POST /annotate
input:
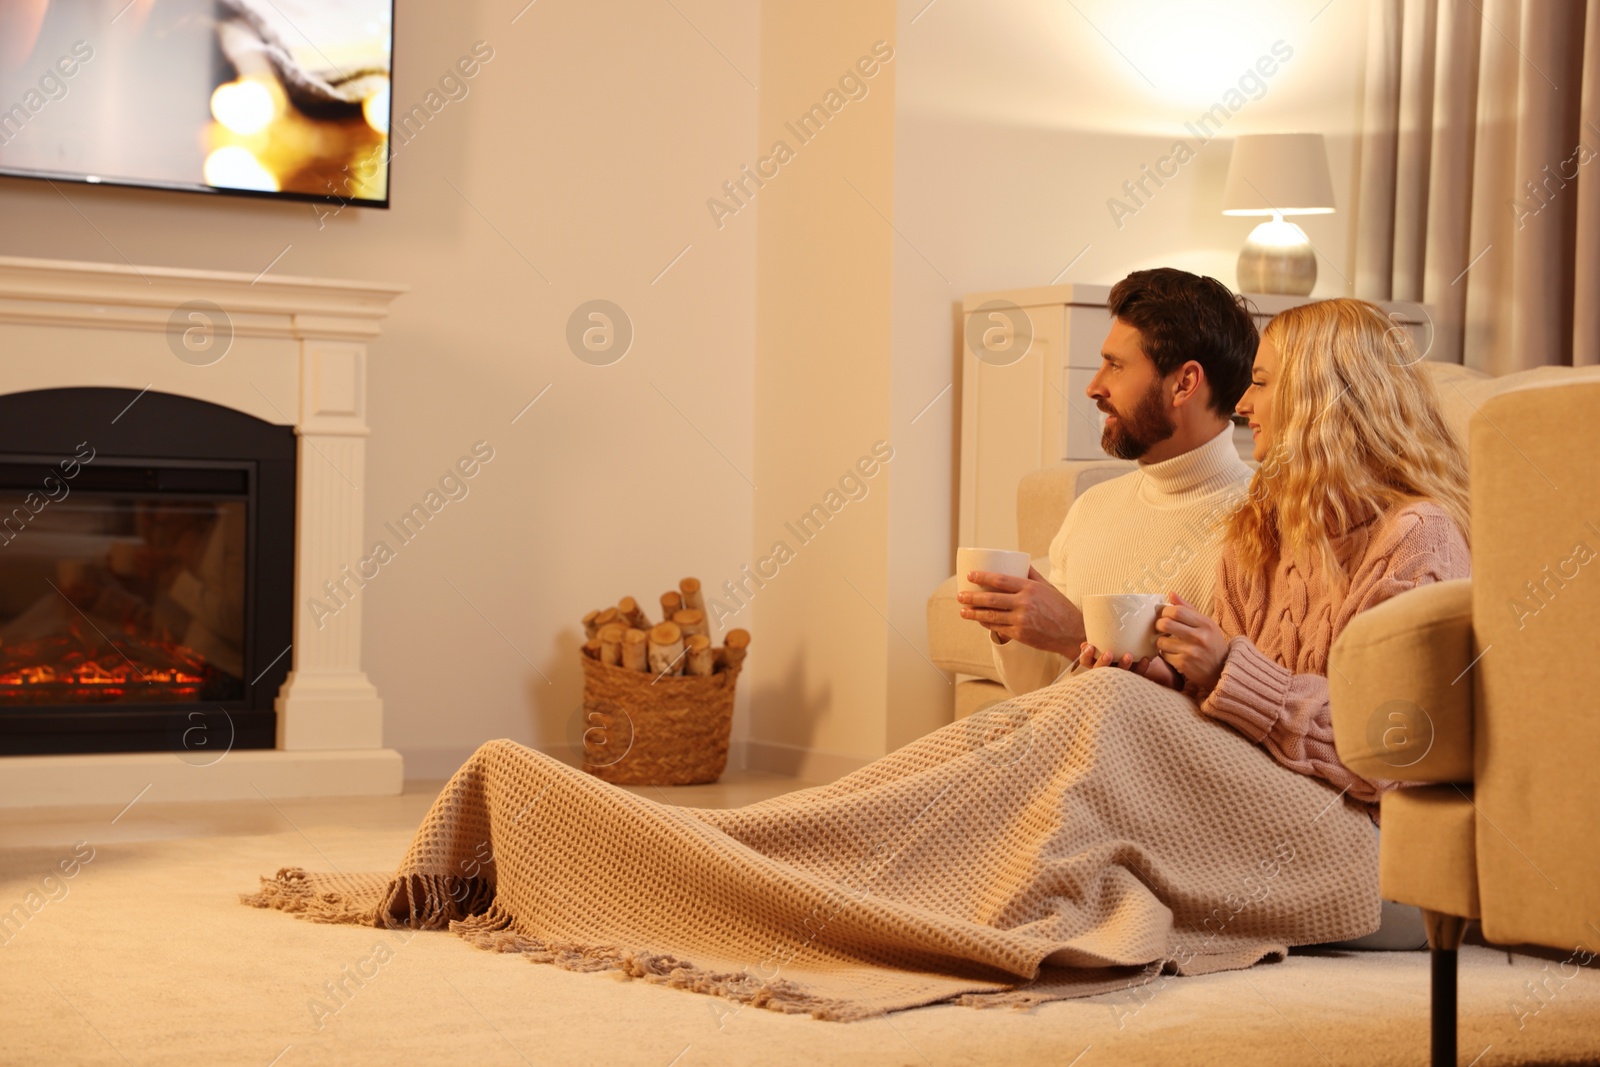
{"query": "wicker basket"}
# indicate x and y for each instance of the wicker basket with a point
(644, 729)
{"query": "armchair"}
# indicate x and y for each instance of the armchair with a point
(1487, 691)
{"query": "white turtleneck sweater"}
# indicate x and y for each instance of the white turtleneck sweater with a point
(1153, 530)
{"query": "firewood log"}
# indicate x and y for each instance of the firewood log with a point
(634, 644)
(589, 628)
(699, 655)
(671, 601)
(591, 648)
(606, 617)
(735, 646)
(690, 587)
(666, 649)
(691, 622)
(628, 611)
(611, 643)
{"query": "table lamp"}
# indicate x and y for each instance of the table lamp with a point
(1278, 174)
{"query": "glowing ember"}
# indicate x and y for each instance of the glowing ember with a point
(67, 669)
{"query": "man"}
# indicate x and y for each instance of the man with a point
(1175, 362)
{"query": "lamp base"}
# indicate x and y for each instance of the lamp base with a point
(1277, 258)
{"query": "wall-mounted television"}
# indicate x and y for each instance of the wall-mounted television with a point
(275, 98)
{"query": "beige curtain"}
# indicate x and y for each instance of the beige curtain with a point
(1480, 176)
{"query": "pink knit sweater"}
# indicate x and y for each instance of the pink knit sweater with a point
(1281, 624)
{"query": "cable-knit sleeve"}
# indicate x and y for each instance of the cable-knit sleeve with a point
(1288, 712)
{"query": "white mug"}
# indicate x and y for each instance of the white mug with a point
(1123, 624)
(997, 560)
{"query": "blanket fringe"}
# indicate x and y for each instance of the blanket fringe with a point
(774, 994)
(490, 932)
(290, 891)
(414, 901)
(466, 907)
(1015, 999)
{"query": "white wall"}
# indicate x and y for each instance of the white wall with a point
(1016, 121)
(823, 389)
(590, 142)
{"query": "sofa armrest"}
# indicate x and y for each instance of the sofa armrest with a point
(1401, 707)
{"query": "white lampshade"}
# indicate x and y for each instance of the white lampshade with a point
(1282, 173)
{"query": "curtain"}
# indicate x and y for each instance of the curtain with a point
(1479, 182)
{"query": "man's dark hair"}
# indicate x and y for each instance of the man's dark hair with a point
(1182, 316)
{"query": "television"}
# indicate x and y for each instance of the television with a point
(268, 98)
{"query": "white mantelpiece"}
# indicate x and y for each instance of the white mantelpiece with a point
(297, 358)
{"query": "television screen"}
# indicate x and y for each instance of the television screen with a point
(282, 98)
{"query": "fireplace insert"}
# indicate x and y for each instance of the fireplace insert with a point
(146, 573)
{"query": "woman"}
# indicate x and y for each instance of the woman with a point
(1375, 505)
(1089, 837)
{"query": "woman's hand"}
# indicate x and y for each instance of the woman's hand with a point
(1089, 656)
(1191, 642)
(1151, 667)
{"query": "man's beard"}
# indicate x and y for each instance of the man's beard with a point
(1137, 432)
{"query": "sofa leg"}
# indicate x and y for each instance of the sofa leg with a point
(1444, 938)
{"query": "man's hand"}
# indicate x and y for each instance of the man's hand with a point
(1191, 642)
(1030, 610)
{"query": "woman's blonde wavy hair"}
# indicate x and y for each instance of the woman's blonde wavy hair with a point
(1357, 431)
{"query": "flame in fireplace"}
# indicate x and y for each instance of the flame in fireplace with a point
(67, 669)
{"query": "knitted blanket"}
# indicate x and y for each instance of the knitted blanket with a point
(1087, 837)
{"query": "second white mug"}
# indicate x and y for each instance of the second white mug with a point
(1123, 624)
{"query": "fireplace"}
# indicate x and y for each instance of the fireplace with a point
(146, 559)
(214, 428)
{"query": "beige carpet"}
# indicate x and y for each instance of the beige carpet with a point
(145, 956)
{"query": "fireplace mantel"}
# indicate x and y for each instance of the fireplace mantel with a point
(293, 351)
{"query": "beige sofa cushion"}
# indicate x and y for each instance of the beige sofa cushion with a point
(1457, 406)
(1429, 854)
(1463, 392)
(1045, 495)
